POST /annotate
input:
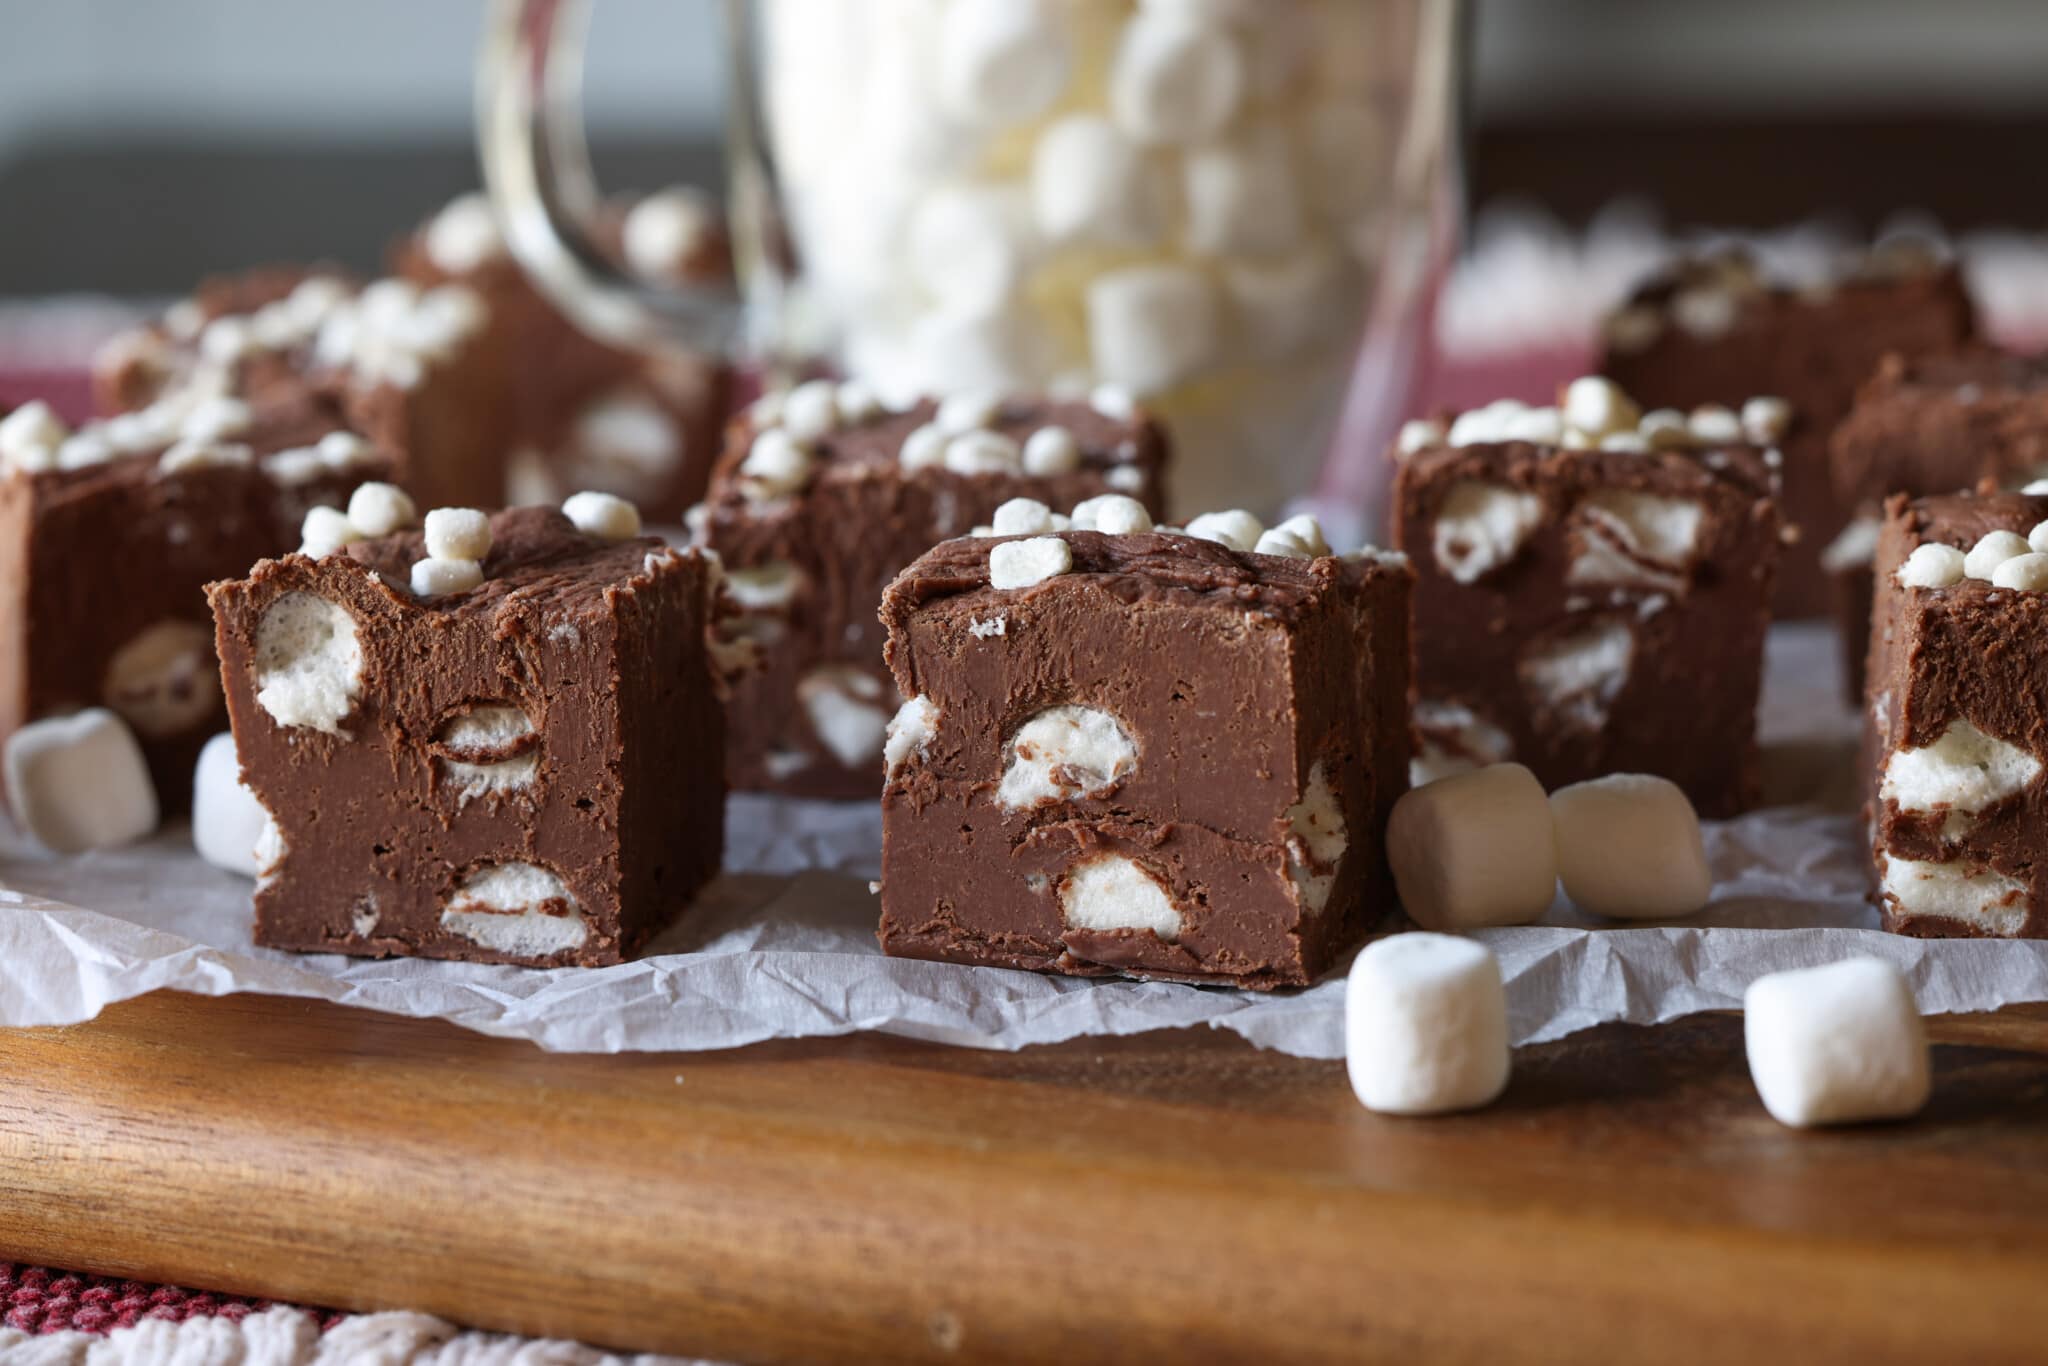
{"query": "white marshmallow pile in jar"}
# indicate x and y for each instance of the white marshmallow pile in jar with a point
(1180, 198)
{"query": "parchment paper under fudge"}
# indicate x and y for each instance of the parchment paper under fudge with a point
(1593, 588)
(1143, 753)
(643, 425)
(497, 740)
(1957, 719)
(109, 535)
(415, 371)
(1714, 330)
(823, 496)
(1925, 425)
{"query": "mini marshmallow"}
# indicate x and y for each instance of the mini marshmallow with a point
(1932, 566)
(1152, 326)
(1020, 564)
(82, 449)
(858, 401)
(1538, 426)
(1765, 420)
(30, 436)
(1598, 407)
(458, 534)
(1021, 517)
(1113, 401)
(776, 465)
(923, 448)
(1711, 423)
(1419, 434)
(2038, 537)
(1002, 61)
(2035, 488)
(968, 412)
(436, 577)
(968, 246)
(983, 452)
(1112, 514)
(1051, 450)
(2027, 573)
(203, 455)
(1993, 550)
(1239, 196)
(1838, 1044)
(811, 410)
(603, 515)
(1665, 428)
(1474, 849)
(1628, 443)
(1089, 183)
(464, 235)
(665, 232)
(1426, 1025)
(1174, 80)
(227, 820)
(1629, 848)
(79, 782)
(1279, 542)
(1236, 528)
(325, 531)
(380, 509)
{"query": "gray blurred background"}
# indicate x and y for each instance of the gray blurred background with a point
(144, 142)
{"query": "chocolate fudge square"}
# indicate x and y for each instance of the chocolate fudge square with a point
(415, 371)
(1956, 716)
(822, 498)
(1716, 331)
(110, 534)
(1592, 601)
(586, 414)
(525, 771)
(1925, 425)
(1173, 759)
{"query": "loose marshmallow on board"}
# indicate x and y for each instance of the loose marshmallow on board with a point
(1426, 1025)
(1474, 849)
(79, 782)
(1837, 1044)
(1629, 848)
(227, 820)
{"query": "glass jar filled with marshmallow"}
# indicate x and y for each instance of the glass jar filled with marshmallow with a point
(1232, 210)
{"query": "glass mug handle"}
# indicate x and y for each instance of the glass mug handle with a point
(536, 164)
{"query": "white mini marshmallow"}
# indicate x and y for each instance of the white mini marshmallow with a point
(983, 453)
(1838, 1044)
(1285, 543)
(1174, 80)
(2035, 488)
(1991, 551)
(971, 411)
(2027, 573)
(1091, 184)
(436, 577)
(1239, 196)
(1766, 420)
(164, 680)
(1629, 848)
(603, 515)
(325, 531)
(1111, 892)
(79, 782)
(458, 534)
(1114, 401)
(1474, 849)
(1305, 528)
(1665, 428)
(1002, 62)
(909, 734)
(1152, 326)
(775, 466)
(1711, 423)
(844, 706)
(1426, 1025)
(1051, 450)
(665, 232)
(1598, 407)
(30, 437)
(188, 455)
(1962, 772)
(1482, 526)
(1419, 434)
(1063, 753)
(1022, 517)
(1236, 528)
(380, 509)
(1932, 566)
(923, 448)
(1020, 564)
(227, 820)
(811, 410)
(464, 235)
(1112, 514)
(858, 402)
(969, 245)
(1538, 426)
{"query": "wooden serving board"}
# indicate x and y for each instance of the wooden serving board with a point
(1174, 1197)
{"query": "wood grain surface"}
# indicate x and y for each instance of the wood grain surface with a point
(1174, 1197)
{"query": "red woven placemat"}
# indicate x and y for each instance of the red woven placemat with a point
(41, 1299)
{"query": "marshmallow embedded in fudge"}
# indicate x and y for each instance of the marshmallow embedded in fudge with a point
(79, 782)
(1474, 849)
(228, 823)
(1838, 1044)
(1425, 1025)
(1629, 848)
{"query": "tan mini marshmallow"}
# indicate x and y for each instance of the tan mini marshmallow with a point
(1629, 848)
(1474, 849)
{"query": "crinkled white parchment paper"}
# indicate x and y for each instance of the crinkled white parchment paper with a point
(783, 945)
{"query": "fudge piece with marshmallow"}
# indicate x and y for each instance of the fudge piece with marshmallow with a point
(1145, 753)
(415, 371)
(1577, 570)
(1925, 425)
(496, 739)
(109, 535)
(1716, 331)
(823, 496)
(1956, 722)
(586, 414)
